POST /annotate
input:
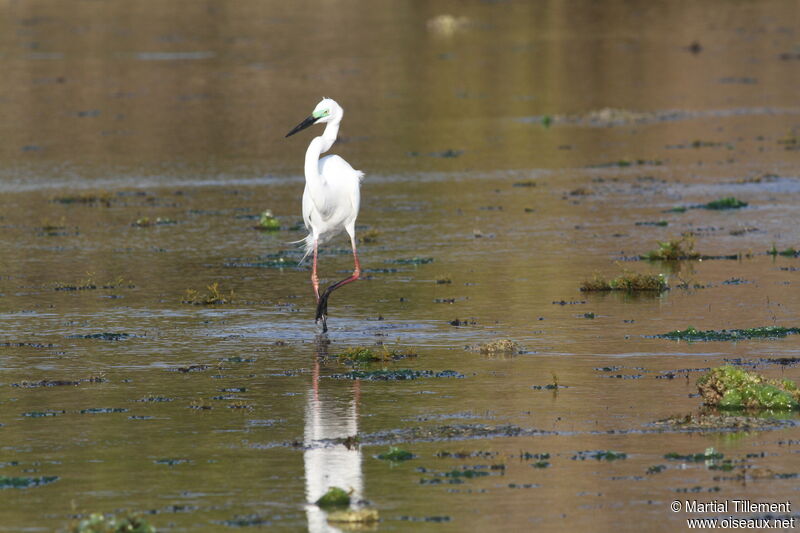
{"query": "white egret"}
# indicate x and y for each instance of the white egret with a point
(331, 198)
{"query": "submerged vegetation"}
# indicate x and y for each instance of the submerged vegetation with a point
(7, 482)
(764, 332)
(728, 387)
(99, 523)
(360, 354)
(86, 198)
(368, 236)
(788, 252)
(628, 281)
(212, 297)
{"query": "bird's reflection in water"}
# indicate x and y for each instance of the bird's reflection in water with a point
(331, 413)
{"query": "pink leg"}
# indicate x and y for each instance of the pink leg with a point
(314, 278)
(322, 303)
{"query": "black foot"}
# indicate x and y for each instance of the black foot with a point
(322, 311)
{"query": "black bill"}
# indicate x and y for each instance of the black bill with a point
(303, 125)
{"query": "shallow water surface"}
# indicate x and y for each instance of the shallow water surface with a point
(512, 151)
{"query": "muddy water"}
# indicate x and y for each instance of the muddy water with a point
(208, 418)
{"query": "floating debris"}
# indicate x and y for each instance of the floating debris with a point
(728, 387)
(726, 422)
(709, 455)
(764, 332)
(397, 375)
(43, 414)
(497, 347)
(674, 250)
(46, 383)
(354, 516)
(146, 222)
(212, 297)
(368, 236)
(411, 261)
(599, 455)
(102, 336)
(653, 223)
(628, 163)
(629, 282)
(335, 497)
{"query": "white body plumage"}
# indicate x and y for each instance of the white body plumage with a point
(331, 198)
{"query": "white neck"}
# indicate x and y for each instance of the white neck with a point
(319, 145)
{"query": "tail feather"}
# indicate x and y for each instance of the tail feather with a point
(308, 246)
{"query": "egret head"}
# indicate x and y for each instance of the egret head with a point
(327, 110)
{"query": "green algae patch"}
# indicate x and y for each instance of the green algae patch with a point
(411, 261)
(335, 497)
(268, 222)
(99, 523)
(599, 455)
(788, 252)
(705, 422)
(628, 282)
(7, 482)
(674, 250)
(710, 454)
(764, 332)
(396, 455)
(361, 355)
(725, 203)
(728, 387)
(358, 354)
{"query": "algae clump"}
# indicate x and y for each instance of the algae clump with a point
(764, 332)
(629, 282)
(725, 203)
(268, 222)
(335, 497)
(396, 455)
(728, 387)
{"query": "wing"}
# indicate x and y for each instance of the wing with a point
(343, 187)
